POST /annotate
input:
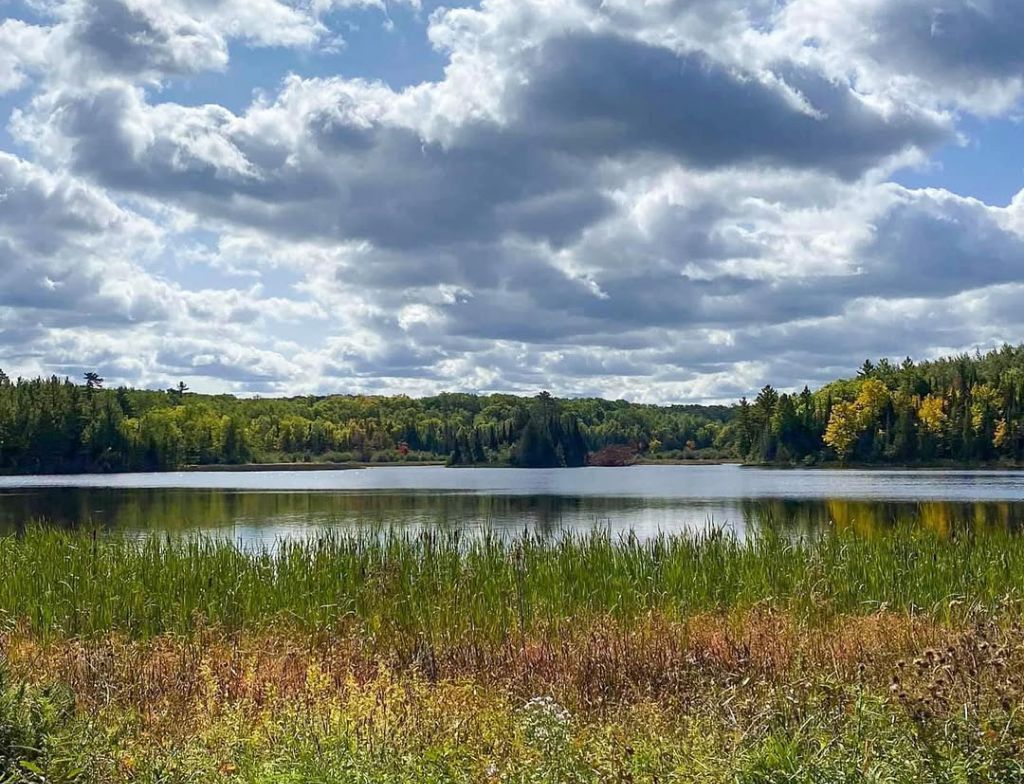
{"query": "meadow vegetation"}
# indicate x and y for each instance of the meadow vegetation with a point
(383, 656)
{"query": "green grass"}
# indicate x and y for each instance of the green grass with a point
(450, 588)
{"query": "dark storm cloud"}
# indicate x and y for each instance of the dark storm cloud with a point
(604, 95)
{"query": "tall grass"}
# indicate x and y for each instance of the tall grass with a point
(445, 588)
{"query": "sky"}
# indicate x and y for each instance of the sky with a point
(656, 200)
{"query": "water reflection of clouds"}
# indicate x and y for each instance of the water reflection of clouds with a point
(263, 518)
(725, 482)
(552, 519)
(642, 500)
(270, 533)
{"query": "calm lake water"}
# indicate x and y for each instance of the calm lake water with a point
(266, 506)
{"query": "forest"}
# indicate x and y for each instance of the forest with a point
(967, 409)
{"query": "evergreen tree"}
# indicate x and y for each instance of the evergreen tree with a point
(535, 449)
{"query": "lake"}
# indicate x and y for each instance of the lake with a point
(261, 507)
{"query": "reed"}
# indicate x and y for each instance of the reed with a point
(442, 587)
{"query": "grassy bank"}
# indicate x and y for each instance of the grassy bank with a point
(391, 658)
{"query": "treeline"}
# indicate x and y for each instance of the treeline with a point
(55, 425)
(964, 409)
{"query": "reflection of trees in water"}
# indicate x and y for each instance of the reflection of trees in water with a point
(140, 509)
(870, 517)
(174, 508)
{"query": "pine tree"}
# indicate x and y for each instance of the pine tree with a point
(535, 448)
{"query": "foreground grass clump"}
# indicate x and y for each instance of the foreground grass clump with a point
(30, 720)
(442, 587)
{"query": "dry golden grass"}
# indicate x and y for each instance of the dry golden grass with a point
(715, 698)
(598, 668)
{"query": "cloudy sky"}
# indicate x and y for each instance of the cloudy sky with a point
(660, 200)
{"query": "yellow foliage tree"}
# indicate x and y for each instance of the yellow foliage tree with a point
(871, 400)
(849, 420)
(985, 406)
(932, 415)
(844, 428)
(1001, 435)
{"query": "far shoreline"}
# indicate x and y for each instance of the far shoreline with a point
(227, 468)
(836, 466)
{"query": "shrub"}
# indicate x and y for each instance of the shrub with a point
(28, 720)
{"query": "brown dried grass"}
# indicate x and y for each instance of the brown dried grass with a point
(688, 664)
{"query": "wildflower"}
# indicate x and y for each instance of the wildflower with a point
(545, 722)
